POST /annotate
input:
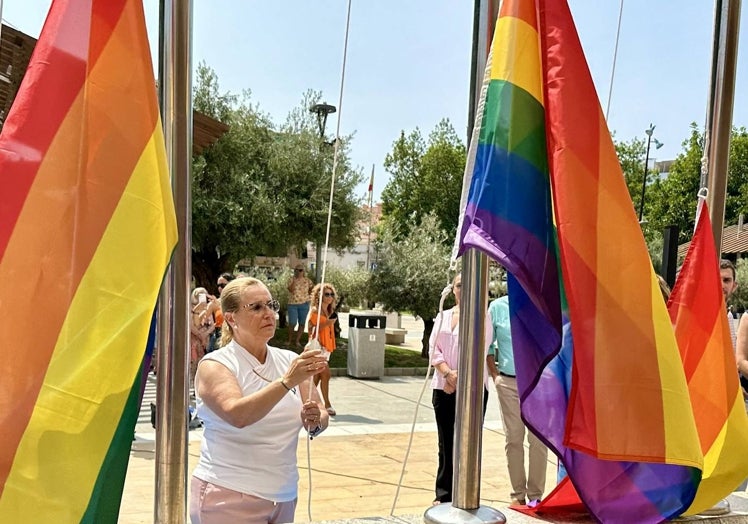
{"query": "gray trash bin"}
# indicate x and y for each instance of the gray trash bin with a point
(366, 345)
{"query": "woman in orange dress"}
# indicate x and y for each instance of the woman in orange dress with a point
(324, 333)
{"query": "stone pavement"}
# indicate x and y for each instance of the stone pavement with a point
(356, 464)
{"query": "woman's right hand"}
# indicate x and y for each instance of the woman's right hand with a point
(311, 362)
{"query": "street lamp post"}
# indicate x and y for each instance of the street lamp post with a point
(322, 111)
(658, 145)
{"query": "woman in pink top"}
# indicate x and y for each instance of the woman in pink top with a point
(444, 351)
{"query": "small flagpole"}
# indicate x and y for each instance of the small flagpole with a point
(371, 213)
(722, 97)
(172, 387)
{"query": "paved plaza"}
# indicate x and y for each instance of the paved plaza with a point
(355, 466)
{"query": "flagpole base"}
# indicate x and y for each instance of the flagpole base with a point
(445, 513)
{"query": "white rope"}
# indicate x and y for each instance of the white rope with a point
(336, 149)
(445, 293)
(615, 59)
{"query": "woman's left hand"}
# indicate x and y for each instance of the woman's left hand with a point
(311, 415)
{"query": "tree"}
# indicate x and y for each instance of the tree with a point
(352, 285)
(426, 177)
(739, 298)
(302, 163)
(631, 156)
(412, 270)
(673, 200)
(229, 218)
(262, 191)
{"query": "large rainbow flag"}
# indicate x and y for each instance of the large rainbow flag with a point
(599, 370)
(697, 310)
(87, 228)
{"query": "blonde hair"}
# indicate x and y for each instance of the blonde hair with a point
(664, 288)
(231, 302)
(316, 290)
(195, 298)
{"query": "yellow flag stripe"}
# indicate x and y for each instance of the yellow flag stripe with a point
(98, 353)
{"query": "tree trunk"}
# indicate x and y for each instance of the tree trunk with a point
(206, 267)
(428, 327)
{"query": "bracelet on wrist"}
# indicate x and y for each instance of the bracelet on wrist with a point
(446, 373)
(283, 383)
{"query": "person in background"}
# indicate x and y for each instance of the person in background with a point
(321, 326)
(444, 353)
(527, 486)
(664, 288)
(201, 327)
(253, 399)
(739, 332)
(298, 305)
(223, 281)
(214, 306)
(729, 285)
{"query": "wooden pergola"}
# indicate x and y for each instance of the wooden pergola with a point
(15, 52)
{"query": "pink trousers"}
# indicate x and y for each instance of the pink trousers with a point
(211, 504)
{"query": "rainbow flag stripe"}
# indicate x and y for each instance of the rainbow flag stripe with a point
(697, 310)
(598, 367)
(87, 228)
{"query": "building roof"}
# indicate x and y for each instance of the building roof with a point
(205, 131)
(733, 241)
(15, 52)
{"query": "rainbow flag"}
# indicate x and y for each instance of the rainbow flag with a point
(599, 373)
(87, 228)
(698, 312)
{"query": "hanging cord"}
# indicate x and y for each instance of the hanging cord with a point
(615, 59)
(445, 293)
(336, 149)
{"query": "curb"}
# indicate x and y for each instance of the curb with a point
(388, 372)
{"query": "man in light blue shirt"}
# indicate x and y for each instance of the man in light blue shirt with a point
(526, 487)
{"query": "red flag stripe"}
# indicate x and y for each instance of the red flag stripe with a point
(86, 158)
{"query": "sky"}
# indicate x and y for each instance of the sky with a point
(408, 63)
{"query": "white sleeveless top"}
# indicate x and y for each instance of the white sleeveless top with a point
(259, 459)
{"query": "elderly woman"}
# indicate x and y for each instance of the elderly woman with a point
(253, 399)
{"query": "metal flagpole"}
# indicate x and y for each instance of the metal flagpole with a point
(484, 21)
(172, 388)
(371, 197)
(465, 506)
(724, 60)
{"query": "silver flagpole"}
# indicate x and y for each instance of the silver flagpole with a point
(722, 97)
(465, 506)
(371, 215)
(172, 389)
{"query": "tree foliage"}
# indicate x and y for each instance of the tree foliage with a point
(631, 156)
(412, 268)
(263, 189)
(739, 298)
(425, 177)
(352, 284)
(672, 201)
